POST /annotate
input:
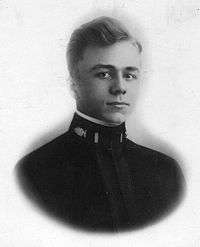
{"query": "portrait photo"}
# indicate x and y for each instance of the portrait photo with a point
(100, 123)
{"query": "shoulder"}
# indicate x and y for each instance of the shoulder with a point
(54, 149)
(155, 163)
(46, 159)
(51, 162)
(148, 154)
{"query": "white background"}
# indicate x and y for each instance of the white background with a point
(36, 106)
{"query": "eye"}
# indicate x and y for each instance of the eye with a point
(130, 77)
(104, 75)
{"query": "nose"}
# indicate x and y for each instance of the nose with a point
(118, 86)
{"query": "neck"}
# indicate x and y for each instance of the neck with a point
(95, 120)
(95, 132)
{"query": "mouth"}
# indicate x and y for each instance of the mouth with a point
(118, 104)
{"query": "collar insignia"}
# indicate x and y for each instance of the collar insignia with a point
(80, 132)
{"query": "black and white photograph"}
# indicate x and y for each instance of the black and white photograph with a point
(99, 123)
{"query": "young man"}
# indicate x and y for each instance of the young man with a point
(92, 176)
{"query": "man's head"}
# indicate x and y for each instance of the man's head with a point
(104, 64)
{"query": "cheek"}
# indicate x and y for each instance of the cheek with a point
(93, 88)
(94, 95)
(133, 92)
(98, 89)
(132, 89)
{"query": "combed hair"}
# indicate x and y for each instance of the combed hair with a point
(103, 31)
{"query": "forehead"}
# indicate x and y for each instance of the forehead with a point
(120, 55)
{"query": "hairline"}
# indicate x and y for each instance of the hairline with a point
(130, 39)
(73, 59)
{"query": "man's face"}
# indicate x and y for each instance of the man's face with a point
(108, 81)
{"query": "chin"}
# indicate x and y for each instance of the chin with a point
(115, 118)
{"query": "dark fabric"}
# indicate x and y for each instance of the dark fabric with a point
(112, 185)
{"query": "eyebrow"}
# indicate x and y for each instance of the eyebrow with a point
(109, 66)
(102, 66)
(130, 68)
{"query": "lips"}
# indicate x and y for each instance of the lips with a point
(116, 103)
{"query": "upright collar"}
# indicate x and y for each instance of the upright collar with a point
(97, 133)
(95, 120)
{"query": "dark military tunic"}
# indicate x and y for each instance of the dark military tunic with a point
(94, 178)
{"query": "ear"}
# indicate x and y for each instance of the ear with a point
(74, 88)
